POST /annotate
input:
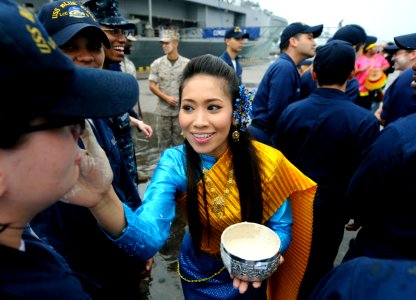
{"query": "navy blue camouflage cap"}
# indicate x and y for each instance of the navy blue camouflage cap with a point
(335, 57)
(351, 33)
(298, 27)
(407, 41)
(107, 14)
(370, 40)
(391, 49)
(237, 33)
(45, 81)
(64, 19)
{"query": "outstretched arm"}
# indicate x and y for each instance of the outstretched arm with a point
(94, 189)
(146, 129)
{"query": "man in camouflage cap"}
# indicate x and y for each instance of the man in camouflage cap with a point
(164, 77)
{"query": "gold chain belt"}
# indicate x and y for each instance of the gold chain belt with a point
(198, 280)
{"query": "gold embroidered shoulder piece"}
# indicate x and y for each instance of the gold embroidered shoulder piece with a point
(284, 180)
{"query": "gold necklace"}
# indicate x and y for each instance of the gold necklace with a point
(218, 201)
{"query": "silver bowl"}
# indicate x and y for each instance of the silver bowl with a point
(250, 251)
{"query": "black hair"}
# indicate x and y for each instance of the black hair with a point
(245, 161)
(285, 46)
(338, 77)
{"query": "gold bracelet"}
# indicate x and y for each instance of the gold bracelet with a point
(198, 280)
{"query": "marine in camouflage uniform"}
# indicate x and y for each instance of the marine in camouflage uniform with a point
(164, 77)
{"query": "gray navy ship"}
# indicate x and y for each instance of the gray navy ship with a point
(201, 24)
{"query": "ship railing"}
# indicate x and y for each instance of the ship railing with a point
(191, 33)
(198, 33)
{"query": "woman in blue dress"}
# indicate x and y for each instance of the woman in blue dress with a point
(220, 177)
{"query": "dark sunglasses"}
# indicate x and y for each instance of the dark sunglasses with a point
(76, 125)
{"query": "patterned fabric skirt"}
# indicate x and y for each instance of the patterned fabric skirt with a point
(197, 278)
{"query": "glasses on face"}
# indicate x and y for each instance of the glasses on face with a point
(76, 125)
(117, 31)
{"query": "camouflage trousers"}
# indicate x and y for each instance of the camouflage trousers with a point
(168, 132)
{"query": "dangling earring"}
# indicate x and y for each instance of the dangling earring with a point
(236, 135)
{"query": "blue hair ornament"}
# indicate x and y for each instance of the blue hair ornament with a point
(242, 109)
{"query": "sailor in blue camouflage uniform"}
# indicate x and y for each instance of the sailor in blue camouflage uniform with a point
(382, 191)
(400, 97)
(234, 42)
(72, 230)
(369, 278)
(116, 28)
(40, 161)
(353, 34)
(325, 135)
(280, 85)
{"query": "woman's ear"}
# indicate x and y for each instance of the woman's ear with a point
(233, 122)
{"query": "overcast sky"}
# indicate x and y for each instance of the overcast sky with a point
(382, 18)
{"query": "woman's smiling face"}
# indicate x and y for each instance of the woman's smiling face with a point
(206, 114)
